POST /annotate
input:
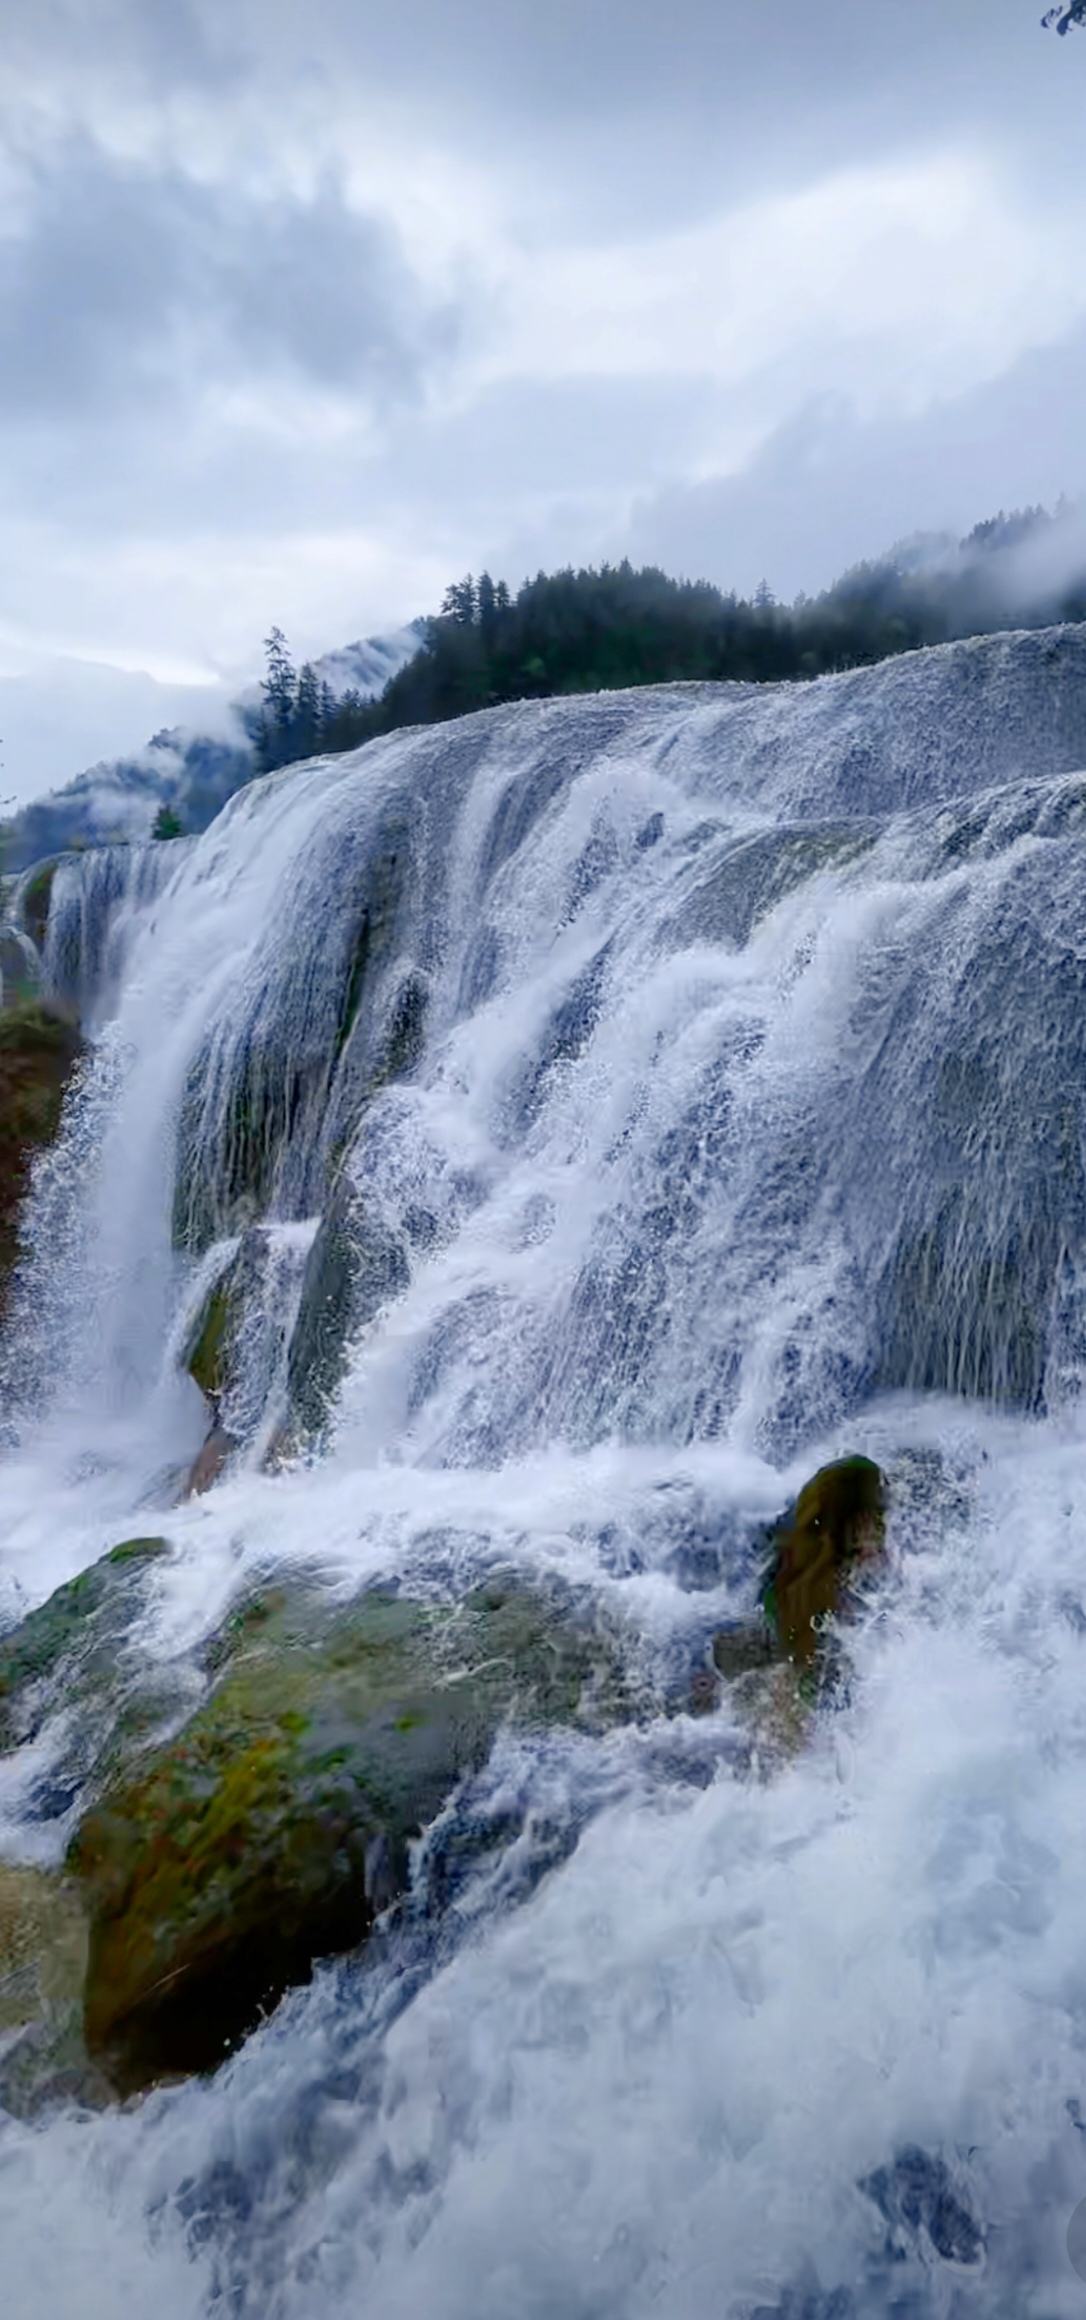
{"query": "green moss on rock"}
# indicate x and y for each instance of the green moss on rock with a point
(43, 1950)
(36, 898)
(355, 1268)
(70, 1660)
(837, 1522)
(37, 1052)
(205, 1357)
(277, 1824)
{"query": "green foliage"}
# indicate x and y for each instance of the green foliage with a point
(166, 824)
(300, 716)
(1062, 18)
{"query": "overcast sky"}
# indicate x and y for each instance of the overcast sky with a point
(309, 306)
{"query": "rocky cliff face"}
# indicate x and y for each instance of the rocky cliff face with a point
(38, 1050)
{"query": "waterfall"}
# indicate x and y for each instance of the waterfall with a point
(601, 1111)
(96, 900)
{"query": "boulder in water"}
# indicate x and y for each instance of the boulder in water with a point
(70, 1662)
(836, 1526)
(43, 1950)
(214, 1451)
(276, 1827)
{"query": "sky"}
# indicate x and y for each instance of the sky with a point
(308, 307)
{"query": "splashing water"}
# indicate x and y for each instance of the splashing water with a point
(678, 1088)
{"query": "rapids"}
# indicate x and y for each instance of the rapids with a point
(701, 1074)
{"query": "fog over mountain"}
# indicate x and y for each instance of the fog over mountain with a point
(190, 771)
(304, 310)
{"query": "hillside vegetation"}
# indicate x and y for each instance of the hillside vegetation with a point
(599, 628)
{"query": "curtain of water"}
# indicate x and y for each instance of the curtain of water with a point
(636, 1100)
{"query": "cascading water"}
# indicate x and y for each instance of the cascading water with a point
(615, 1107)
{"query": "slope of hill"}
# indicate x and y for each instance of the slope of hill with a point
(191, 773)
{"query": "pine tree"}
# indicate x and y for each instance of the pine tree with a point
(278, 687)
(459, 603)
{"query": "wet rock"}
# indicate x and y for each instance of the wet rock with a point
(275, 1828)
(209, 1462)
(837, 1524)
(69, 1661)
(356, 1266)
(37, 1054)
(265, 1113)
(926, 2212)
(36, 897)
(19, 967)
(211, 1353)
(43, 1944)
(206, 1355)
(43, 1951)
(778, 1664)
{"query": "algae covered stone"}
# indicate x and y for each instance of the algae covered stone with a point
(276, 1826)
(837, 1523)
(37, 1052)
(70, 1664)
(836, 1526)
(71, 1641)
(43, 1949)
(43, 1944)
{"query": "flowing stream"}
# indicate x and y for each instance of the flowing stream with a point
(688, 1086)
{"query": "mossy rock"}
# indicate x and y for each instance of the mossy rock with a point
(19, 968)
(356, 1266)
(37, 1052)
(69, 1661)
(74, 1634)
(36, 898)
(836, 1525)
(43, 1953)
(259, 1141)
(211, 1352)
(277, 1825)
(205, 1356)
(43, 1944)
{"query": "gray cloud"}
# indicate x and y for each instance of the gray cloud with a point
(190, 374)
(829, 488)
(123, 280)
(633, 110)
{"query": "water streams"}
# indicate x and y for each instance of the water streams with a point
(623, 1103)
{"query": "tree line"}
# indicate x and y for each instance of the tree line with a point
(612, 625)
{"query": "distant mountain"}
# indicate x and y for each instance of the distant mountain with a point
(192, 773)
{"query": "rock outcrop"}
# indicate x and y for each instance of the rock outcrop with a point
(276, 1826)
(837, 1524)
(37, 1052)
(71, 1664)
(781, 1661)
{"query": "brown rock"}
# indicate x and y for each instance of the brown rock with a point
(837, 1525)
(209, 1462)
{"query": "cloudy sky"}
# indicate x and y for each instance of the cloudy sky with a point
(308, 306)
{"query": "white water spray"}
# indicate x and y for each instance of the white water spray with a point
(694, 1081)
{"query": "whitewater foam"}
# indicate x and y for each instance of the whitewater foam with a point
(735, 1120)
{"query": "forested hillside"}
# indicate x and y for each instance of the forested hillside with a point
(610, 626)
